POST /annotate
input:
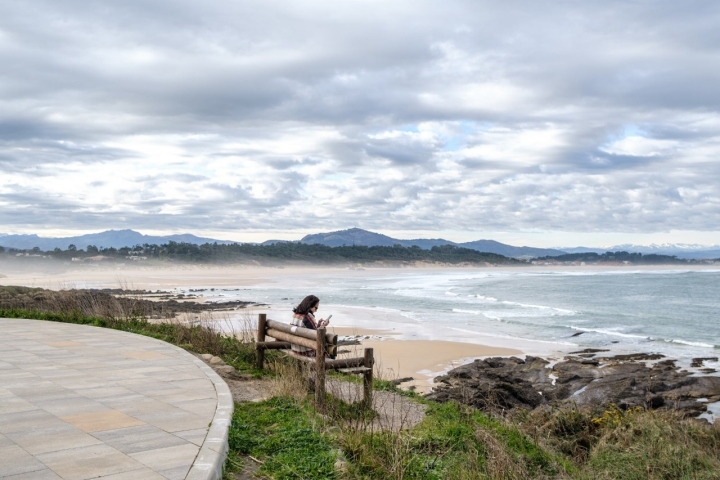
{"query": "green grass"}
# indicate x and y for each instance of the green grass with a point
(453, 442)
(285, 435)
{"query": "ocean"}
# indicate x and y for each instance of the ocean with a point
(673, 312)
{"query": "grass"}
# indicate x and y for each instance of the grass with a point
(294, 441)
(285, 433)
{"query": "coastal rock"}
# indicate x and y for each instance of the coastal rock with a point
(216, 361)
(698, 362)
(624, 380)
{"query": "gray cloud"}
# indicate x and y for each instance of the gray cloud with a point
(469, 116)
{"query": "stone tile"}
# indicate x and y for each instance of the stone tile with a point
(155, 387)
(196, 384)
(51, 439)
(89, 462)
(5, 441)
(14, 460)
(15, 378)
(175, 420)
(170, 376)
(203, 407)
(102, 420)
(177, 473)
(196, 436)
(137, 439)
(45, 474)
(104, 392)
(145, 355)
(187, 395)
(168, 458)
(142, 474)
(66, 343)
(80, 381)
(141, 406)
(42, 388)
(27, 420)
(69, 405)
(57, 373)
(15, 404)
(44, 392)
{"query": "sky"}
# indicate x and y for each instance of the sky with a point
(557, 123)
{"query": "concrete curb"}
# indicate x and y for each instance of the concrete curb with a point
(209, 463)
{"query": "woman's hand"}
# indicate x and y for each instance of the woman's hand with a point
(324, 323)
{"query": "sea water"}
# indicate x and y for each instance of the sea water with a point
(673, 312)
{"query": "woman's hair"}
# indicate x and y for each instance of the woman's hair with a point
(308, 302)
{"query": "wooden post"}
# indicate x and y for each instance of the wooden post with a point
(320, 370)
(262, 320)
(368, 377)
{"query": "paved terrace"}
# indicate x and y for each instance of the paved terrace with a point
(79, 402)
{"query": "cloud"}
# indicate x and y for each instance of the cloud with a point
(277, 115)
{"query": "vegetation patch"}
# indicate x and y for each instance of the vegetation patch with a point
(284, 435)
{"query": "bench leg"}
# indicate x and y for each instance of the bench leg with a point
(262, 320)
(368, 377)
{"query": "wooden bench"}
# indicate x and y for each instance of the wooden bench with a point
(322, 343)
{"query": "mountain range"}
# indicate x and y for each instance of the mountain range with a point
(106, 239)
(357, 236)
(353, 236)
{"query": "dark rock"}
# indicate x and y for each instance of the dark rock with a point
(637, 356)
(625, 380)
(589, 350)
(398, 381)
(698, 362)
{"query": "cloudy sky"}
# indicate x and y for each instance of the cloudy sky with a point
(547, 123)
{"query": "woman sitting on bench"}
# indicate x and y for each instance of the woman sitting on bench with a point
(304, 316)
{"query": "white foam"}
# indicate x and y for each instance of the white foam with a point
(692, 344)
(484, 298)
(580, 391)
(613, 333)
(713, 412)
(563, 311)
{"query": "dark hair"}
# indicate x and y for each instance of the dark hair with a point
(308, 303)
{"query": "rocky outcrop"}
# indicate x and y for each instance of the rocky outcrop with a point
(624, 380)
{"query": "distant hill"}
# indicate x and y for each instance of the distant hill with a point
(680, 250)
(352, 236)
(107, 239)
(360, 237)
(508, 250)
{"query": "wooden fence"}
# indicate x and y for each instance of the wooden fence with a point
(323, 343)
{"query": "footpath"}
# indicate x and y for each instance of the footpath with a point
(80, 402)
